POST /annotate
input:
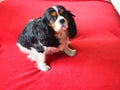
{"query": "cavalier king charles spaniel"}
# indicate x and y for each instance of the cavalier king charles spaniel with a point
(48, 34)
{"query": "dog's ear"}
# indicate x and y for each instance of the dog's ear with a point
(72, 26)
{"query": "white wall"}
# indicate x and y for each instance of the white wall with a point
(116, 4)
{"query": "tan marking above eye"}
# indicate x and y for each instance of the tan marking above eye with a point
(54, 14)
(61, 11)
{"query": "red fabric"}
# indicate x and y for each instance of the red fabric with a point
(73, 0)
(96, 65)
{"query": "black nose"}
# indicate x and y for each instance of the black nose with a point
(62, 21)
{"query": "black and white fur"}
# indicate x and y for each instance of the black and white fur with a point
(47, 35)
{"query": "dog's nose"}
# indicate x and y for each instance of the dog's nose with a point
(62, 21)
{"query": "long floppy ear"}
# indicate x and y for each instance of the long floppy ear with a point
(72, 26)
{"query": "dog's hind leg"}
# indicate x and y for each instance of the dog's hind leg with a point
(39, 58)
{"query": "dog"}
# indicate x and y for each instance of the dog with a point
(48, 34)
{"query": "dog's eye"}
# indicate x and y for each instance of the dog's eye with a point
(54, 14)
(61, 11)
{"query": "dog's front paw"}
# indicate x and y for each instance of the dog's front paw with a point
(70, 52)
(43, 67)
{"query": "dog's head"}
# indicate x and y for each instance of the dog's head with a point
(58, 18)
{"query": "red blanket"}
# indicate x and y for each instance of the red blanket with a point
(96, 65)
